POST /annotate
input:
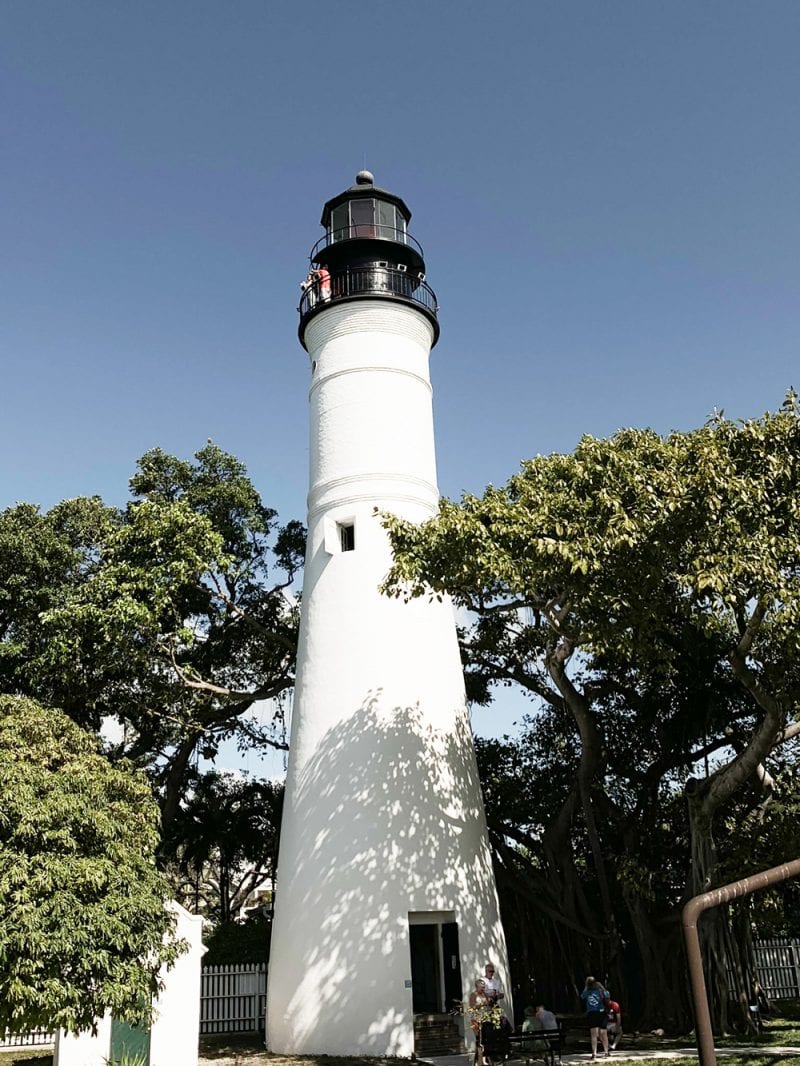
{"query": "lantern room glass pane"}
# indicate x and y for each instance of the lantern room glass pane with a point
(386, 221)
(362, 218)
(340, 223)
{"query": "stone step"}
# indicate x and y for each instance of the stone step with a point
(437, 1034)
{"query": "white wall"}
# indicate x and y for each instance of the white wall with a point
(84, 1049)
(175, 1031)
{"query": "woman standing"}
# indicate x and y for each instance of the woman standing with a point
(595, 1003)
(480, 1023)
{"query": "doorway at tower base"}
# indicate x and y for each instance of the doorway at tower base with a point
(436, 986)
(435, 961)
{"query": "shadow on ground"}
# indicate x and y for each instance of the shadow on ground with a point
(248, 1050)
(26, 1058)
(243, 1047)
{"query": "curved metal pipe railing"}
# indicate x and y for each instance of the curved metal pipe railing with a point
(371, 231)
(692, 913)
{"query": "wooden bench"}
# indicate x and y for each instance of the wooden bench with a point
(546, 1044)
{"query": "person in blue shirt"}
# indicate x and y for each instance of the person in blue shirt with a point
(595, 1003)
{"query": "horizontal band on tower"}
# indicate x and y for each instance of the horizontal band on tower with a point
(368, 369)
(427, 494)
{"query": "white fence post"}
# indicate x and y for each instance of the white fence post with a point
(36, 1038)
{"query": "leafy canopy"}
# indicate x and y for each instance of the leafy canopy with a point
(83, 924)
(627, 541)
(172, 615)
(646, 591)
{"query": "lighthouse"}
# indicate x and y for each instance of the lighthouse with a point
(386, 908)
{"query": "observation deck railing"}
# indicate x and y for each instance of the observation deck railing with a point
(365, 231)
(354, 282)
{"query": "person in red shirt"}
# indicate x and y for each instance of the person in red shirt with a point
(324, 282)
(614, 1023)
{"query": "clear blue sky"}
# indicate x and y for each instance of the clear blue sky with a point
(607, 194)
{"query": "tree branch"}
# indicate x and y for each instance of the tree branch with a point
(235, 609)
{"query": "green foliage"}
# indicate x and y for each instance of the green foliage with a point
(246, 941)
(83, 925)
(224, 840)
(170, 616)
(660, 566)
(645, 591)
(696, 528)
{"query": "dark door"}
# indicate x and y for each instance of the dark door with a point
(424, 969)
(452, 965)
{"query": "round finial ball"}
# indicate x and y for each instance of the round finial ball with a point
(365, 177)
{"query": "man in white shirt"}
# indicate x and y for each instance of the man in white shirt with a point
(493, 986)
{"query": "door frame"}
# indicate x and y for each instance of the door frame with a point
(437, 918)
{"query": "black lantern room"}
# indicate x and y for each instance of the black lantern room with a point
(366, 254)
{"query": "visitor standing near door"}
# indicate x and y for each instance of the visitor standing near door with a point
(493, 986)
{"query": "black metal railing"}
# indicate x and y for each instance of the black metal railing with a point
(370, 230)
(368, 281)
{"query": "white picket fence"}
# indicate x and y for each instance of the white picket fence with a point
(233, 998)
(778, 967)
(37, 1038)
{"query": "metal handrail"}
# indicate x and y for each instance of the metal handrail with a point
(692, 912)
(368, 230)
(369, 281)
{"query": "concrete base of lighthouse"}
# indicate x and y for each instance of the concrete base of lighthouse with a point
(386, 904)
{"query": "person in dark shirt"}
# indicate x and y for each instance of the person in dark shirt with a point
(595, 1003)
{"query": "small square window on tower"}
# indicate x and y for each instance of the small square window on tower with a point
(347, 536)
(340, 536)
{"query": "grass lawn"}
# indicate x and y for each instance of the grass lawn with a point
(24, 1056)
(727, 1060)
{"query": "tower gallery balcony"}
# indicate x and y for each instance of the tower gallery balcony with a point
(379, 280)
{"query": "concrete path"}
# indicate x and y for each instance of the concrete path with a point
(631, 1055)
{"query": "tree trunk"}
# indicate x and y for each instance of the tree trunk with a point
(174, 779)
(743, 971)
(589, 764)
(711, 928)
(661, 959)
(224, 891)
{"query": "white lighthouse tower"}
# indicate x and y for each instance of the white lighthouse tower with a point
(386, 906)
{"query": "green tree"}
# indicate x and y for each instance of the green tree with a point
(83, 924)
(647, 586)
(173, 615)
(225, 842)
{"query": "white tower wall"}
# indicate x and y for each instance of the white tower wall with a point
(383, 815)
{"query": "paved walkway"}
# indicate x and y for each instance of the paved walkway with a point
(633, 1054)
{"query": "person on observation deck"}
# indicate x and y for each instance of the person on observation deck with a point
(324, 282)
